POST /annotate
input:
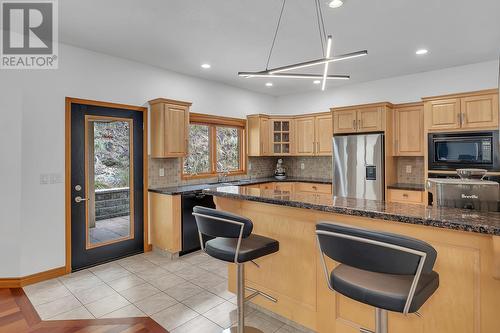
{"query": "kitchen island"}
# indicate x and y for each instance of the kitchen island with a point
(468, 245)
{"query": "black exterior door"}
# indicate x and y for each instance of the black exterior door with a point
(106, 184)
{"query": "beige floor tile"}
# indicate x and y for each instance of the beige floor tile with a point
(125, 282)
(203, 302)
(168, 281)
(137, 264)
(44, 295)
(184, 290)
(214, 266)
(221, 291)
(41, 286)
(208, 280)
(76, 275)
(128, 311)
(174, 316)
(95, 293)
(75, 314)
(190, 272)
(155, 303)
(54, 308)
(139, 292)
(83, 283)
(196, 258)
(175, 265)
(153, 274)
(110, 272)
(265, 323)
(156, 258)
(223, 314)
(107, 305)
(198, 325)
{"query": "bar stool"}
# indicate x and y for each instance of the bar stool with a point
(234, 242)
(384, 270)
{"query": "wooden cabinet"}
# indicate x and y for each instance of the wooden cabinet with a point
(283, 186)
(478, 110)
(281, 136)
(305, 135)
(360, 119)
(258, 135)
(165, 221)
(409, 130)
(267, 186)
(323, 134)
(169, 128)
(313, 188)
(406, 196)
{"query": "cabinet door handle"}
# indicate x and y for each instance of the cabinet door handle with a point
(360, 125)
(459, 117)
(317, 150)
(463, 118)
(405, 195)
(354, 124)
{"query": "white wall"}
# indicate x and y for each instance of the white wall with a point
(402, 89)
(32, 103)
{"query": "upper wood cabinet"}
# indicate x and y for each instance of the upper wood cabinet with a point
(304, 136)
(323, 134)
(281, 136)
(409, 130)
(258, 135)
(169, 127)
(477, 110)
(363, 118)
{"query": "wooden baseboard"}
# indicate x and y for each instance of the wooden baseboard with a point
(30, 279)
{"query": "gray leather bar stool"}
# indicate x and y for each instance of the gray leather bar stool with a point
(234, 242)
(384, 270)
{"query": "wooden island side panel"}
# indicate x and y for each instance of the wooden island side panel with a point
(467, 300)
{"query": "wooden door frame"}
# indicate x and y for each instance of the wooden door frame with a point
(69, 101)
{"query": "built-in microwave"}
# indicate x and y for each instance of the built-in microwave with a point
(451, 151)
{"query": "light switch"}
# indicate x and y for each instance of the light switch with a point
(56, 178)
(408, 169)
(302, 166)
(162, 172)
(44, 179)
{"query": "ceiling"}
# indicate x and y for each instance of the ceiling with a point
(235, 35)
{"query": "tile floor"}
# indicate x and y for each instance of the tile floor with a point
(110, 229)
(186, 295)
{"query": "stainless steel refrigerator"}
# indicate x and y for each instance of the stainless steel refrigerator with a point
(358, 166)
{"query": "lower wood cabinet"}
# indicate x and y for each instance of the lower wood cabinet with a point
(165, 219)
(406, 196)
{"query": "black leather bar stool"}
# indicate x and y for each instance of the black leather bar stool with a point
(384, 270)
(234, 242)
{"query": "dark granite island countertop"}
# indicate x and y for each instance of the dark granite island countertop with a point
(448, 218)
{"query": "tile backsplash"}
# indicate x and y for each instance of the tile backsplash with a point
(416, 175)
(258, 167)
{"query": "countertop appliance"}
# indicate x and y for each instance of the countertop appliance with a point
(451, 151)
(358, 166)
(468, 193)
(189, 229)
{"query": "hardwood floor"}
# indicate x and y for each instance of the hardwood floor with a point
(17, 315)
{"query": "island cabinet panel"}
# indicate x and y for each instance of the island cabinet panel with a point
(304, 136)
(405, 196)
(409, 131)
(165, 221)
(480, 111)
(323, 134)
(169, 128)
(344, 121)
(467, 300)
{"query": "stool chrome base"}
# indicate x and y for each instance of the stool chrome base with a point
(246, 329)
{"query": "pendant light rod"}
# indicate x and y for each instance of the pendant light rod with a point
(325, 71)
(293, 76)
(317, 62)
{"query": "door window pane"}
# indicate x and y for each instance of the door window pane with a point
(198, 158)
(109, 172)
(228, 149)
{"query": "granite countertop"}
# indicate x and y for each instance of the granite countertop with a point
(185, 189)
(443, 217)
(407, 186)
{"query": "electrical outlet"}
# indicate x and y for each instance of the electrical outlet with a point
(44, 179)
(408, 169)
(249, 166)
(162, 172)
(302, 166)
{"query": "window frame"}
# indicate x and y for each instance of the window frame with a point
(213, 122)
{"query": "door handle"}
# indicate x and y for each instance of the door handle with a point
(79, 199)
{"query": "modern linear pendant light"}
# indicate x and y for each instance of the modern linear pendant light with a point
(279, 72)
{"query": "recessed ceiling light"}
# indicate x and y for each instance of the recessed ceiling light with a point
(336, 3)
(317, 81)
(421, 51)
(205, 66)
(269, 84)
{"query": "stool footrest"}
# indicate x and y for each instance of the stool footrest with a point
(364, 330)
(256, 292)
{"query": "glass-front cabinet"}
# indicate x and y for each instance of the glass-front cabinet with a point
(281, 136)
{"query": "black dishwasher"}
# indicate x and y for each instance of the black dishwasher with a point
(190, 237)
